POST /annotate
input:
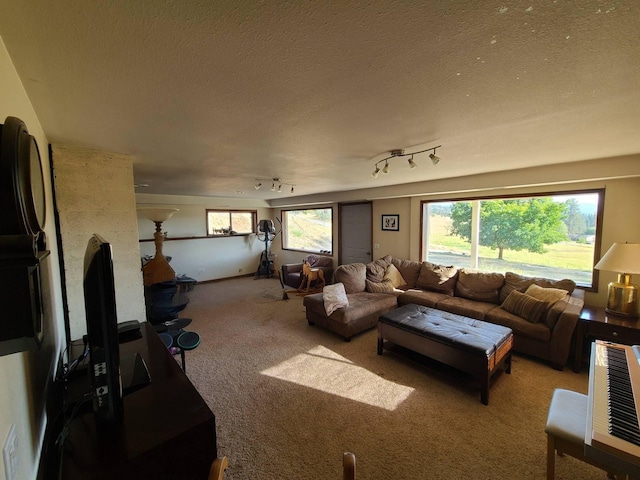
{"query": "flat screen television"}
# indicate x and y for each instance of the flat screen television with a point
(102, 332)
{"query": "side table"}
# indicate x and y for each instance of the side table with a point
(595, 323)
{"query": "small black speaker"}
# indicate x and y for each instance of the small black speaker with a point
(188, 340)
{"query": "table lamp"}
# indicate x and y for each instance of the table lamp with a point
(622, 298)
(157, 269)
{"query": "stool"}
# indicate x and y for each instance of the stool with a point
(565, 429)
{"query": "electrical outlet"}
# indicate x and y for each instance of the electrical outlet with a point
(10, 453)
(376, 246)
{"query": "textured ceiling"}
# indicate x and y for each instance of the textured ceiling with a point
(208, 96)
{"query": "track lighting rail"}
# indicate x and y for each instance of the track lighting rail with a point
(276, 184)
(397, 153)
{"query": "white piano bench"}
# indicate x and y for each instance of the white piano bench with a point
(565, 429)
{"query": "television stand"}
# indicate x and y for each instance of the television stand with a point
(168, 430)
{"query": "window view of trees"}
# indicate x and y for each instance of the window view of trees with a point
(308, 230)
(551, 236)
(513, 224)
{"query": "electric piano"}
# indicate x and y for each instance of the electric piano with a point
(612, 436)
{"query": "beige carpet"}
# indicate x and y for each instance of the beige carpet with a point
(289, 399)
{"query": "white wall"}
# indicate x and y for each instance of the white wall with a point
(24, 377)
(95, 194)
(201, 258)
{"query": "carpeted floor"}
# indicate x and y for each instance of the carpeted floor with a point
(289, 399)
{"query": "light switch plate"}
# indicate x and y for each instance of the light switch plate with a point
(10, 454)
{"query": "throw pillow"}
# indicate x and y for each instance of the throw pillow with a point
(549, 295)
(394, 276)
(524, 306)
(334, 297)
(379, 287)
(375, 271)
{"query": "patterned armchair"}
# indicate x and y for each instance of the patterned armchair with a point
(292, 272)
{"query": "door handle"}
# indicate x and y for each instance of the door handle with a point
(368, 253)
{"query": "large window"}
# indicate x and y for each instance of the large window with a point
(549, 235)
(308, 230)
(230, 222)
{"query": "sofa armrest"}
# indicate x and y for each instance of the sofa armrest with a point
(291, 268)
(562, 334)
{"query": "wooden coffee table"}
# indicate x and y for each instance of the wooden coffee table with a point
(470, 345)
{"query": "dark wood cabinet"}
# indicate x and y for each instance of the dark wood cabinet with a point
(596, 324)
(168, 430)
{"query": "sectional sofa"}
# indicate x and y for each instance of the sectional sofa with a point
(541, 312)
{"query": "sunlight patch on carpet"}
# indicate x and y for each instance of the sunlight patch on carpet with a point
(325, 370)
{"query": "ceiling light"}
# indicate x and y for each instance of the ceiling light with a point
(277, 184)
(400, 153)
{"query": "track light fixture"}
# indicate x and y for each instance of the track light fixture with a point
(400, 153)
(276, 184)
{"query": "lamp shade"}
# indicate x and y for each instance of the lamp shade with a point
(158, 214)
(621, 257)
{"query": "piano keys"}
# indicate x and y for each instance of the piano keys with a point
(612, 435)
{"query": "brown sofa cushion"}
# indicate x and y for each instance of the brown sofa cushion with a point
(409, 270)
(353, 276)
(465, 307)
(525, 306)
(514, 281)
(480, 286)
(426, 298)
(437, 278)
(521, 327)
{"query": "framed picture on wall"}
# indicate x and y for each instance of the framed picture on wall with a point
(391, 222)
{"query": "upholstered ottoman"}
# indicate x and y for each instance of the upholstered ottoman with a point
(473, 346)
